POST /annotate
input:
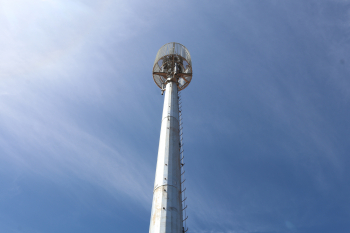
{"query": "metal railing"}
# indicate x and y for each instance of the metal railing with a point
(173, 48)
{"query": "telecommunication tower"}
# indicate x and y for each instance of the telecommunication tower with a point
(172, 72)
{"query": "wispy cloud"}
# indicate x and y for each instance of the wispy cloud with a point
(39, 131)
(52, 145)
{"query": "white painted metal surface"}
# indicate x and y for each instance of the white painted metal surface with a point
(166, 215)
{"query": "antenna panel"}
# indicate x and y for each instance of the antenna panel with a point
(173, 61)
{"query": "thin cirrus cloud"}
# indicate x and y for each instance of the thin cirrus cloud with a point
(40, 132)
(265, 117)
(52, 144)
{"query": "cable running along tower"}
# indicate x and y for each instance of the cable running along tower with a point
(172, 72)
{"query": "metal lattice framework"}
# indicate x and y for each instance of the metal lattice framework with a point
(173, 62)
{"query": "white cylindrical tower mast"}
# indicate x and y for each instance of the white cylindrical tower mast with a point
(172, 72)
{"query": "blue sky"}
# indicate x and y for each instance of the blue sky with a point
(266, 117)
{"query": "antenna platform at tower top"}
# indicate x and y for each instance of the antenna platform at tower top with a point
(173, 63)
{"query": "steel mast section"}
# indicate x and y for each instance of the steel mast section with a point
(172, 72)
